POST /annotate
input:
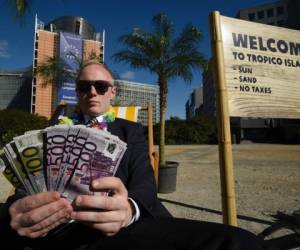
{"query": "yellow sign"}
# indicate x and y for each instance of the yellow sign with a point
(262, 69)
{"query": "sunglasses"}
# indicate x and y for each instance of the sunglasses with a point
(101, 86)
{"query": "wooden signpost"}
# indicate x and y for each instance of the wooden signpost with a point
(256, 74)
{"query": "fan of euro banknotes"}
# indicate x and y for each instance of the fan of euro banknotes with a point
(61, 158)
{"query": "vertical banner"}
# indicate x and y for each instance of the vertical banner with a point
(70, 53)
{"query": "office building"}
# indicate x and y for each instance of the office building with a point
(283, 13)
(209, 96)
(15, 89)
(194, 104)
(138, 94)
(70, 40)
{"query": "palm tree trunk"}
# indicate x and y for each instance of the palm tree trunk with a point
(163, 90)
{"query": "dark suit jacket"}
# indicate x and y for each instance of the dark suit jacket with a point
(135, 170)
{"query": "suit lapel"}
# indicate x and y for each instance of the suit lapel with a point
(115, 128)
(112, 127)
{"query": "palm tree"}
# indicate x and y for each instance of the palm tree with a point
(19, 8)
(52, 70)
(163, 55)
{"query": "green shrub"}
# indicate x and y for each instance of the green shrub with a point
(16, 122)
(199, 130)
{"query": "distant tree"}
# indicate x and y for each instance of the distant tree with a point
(175, 118)
(167, 57)
(198, 130)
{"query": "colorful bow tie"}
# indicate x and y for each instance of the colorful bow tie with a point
(107, 117)
(94, 123)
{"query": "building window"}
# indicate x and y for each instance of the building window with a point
(279, 10)
(270, 12)
(77, 28)
(251, 16)
(260, 14)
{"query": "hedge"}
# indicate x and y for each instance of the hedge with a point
(16, 122)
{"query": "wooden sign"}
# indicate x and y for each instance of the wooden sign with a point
(262, 69)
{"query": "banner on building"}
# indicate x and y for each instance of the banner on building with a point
(262, 69)
(70, 53)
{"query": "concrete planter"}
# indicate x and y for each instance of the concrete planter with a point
(167, 177)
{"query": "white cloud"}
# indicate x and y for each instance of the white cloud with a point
(3, 49)
(129, 75)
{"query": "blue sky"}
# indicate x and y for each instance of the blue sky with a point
(116, 17)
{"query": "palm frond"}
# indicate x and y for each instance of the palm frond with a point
(163, 26)
(185, 63)
(139, 43)
(19, 8)
(53, 70)
(189, 37)
(135, 59)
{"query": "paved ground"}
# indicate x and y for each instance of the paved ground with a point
(267, 180)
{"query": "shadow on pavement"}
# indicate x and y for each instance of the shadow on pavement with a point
(241, 217)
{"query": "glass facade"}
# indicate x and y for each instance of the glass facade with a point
(138, 94)
(15, 89)
(272, 13)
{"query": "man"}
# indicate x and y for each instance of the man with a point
(130, 218)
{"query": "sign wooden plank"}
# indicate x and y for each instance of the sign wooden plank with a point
(262, 69)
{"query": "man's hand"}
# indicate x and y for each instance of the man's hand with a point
(105, 213)
(35, 215)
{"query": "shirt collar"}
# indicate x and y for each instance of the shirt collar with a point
(99, 118)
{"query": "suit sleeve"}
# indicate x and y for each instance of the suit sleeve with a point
(141, 183)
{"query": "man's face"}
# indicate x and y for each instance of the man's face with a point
(91, 102)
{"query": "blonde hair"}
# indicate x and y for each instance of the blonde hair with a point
(92, 62)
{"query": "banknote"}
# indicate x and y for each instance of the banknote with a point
(7, 170)
(70, 161)
(30, 148)
(18, 167)
(87, 167)
(56, 138)
(61, 158)
(71, 135)
(80, 181)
